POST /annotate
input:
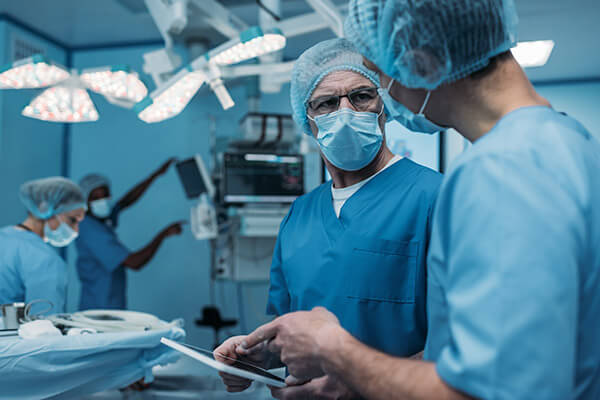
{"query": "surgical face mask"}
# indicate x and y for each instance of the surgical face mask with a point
(61, 236)
(349, 139)
(399, 112)
(101, 208)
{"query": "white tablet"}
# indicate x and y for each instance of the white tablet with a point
(241, 369)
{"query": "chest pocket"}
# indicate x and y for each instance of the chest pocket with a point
(382, 270)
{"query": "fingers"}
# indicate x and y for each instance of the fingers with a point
(303, 392)
(293, 381)
(235, 383)
(228, 349)
(261, 334)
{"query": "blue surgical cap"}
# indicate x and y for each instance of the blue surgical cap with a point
(91, 182)
(315, 64)
(426, 43)
(47, 197)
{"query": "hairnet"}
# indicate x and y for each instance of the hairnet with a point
(316, 63)
(425, 43)
(91, 182)
(47, 197)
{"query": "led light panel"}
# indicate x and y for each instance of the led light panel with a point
(33, 72)
(172, 101)
(255, 47)
(62, 104)
(120, 84)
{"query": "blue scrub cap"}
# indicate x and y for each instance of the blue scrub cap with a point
(315, 64)
(426, 43)
(47, 197)
(91, 182)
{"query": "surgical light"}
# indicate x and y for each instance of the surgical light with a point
(33, 72)
(253, 42)
(66, 102)
(115, 82)
(533, 54)
(170, 100)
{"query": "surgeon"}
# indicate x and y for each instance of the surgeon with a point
(514, 260)
(356, 244)
(30, 268)
(102, 257)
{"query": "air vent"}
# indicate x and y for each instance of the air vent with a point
(22, 48)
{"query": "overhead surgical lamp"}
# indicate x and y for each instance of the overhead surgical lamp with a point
(170, 98)
(115, 82)
(32, 72)
(65, 102)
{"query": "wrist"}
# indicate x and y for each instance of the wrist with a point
(331, 342)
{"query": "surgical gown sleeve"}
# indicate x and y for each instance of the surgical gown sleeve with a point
(279, 297)
(512, 235)
(44, 275)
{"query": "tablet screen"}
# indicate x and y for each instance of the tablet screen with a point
(244, 365)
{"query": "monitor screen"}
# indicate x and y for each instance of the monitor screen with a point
(263, 178)
(191, 178)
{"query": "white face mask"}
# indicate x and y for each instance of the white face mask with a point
(61, 236)
(101, 208)
(399, 112)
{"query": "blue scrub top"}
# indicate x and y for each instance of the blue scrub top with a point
(514, 263)
(30, 269)
(99, 264)
(368, 266)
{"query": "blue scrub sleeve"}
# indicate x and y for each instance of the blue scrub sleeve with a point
(512, 280)
(279, 296)
(44, 276)
(104, 246)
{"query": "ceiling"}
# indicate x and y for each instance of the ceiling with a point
(78, 24)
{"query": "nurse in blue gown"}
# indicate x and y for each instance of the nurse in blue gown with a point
(102, 259)
(357, 244)
(30, 268)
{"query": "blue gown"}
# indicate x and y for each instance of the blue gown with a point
(31, 269)
(99, 264)
(514, 263)
(368, 266)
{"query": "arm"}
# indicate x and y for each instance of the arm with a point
(134, 194)
(381, 376)
(140, 258)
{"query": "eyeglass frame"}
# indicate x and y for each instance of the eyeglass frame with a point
(339, 99)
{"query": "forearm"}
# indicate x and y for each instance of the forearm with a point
(140, 258)
(134, 194)
(378, 376)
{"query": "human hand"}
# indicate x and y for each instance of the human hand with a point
(174, 229)
(323, 388)
(139, 385)
(229, 351)
(165, 166)
(299, 339)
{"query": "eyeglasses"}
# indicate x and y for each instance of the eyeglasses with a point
(364, 99)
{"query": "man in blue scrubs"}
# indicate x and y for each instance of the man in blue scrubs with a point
(102, 258)
(357, 244)
(514, 259)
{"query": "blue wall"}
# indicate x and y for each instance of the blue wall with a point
(29, 148)
(580, 100)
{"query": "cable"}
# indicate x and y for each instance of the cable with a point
(268, 11)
